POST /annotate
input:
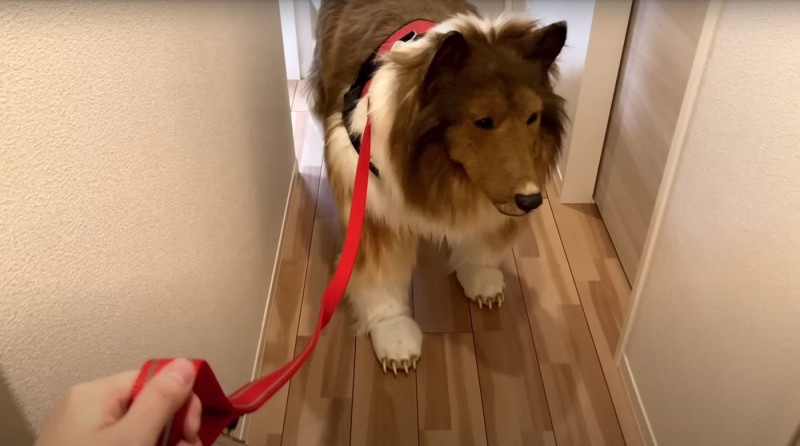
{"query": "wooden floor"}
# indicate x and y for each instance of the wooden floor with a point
(539, 371)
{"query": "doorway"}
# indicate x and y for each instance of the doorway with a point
(555, 339)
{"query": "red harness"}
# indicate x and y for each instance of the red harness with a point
(219, 410)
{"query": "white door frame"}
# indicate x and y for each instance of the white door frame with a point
(298, 21)
(578, 173)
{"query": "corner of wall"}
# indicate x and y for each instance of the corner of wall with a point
(14, 427)
(684, 119)
(681, 128)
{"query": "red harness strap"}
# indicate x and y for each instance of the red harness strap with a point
(219, 410)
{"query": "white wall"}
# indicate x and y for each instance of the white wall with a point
(291, 40)
(715, 346)
(589, 64)
(578, 15)
(299, 25)
(145, 161)
(490, 8)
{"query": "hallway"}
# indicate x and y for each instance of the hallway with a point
(539, 371)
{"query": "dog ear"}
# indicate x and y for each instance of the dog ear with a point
(451, 55)
(546, 43)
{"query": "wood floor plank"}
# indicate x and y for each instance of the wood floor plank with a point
(603, 291)
(450, 411)
(300, 101)
(284, 315)
(439, 305)
(595, 266)
(320, 396)
(266, 425)
(299, 121)
(384, 406)
(320, 269)
(325, 243)
(514, 402)
(581, 407)
(292, 87)
(318, 412)
(326, 206)
(563, 400)
(308, 141)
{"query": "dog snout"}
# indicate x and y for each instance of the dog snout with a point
(528, 202)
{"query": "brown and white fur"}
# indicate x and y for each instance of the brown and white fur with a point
(446, 172)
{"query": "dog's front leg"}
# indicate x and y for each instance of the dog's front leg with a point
(379, 295)
(476, 262)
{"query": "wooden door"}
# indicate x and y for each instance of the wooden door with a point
(659, 52)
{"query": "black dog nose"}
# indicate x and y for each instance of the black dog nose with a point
(528, 202)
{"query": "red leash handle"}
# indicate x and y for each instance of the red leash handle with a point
(219, 410)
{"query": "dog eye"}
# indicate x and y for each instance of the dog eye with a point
(533, 118)
(485, 123)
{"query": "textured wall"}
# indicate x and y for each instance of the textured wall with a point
(145, 159)
(715, 349)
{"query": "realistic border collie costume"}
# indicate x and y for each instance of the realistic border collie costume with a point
(466, 129)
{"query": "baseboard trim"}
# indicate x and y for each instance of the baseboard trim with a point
(639, 412)
(242, 431)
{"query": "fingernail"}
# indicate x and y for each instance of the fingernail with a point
(181, 369)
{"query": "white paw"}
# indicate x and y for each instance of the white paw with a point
(483, 284)
(397, 343)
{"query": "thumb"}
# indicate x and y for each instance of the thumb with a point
(158, 401)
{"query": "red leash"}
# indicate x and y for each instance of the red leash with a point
(219, 410)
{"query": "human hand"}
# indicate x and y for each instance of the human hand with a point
(100, 412)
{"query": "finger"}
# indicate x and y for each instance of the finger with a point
(190, 443)
(191, 425)
(100, 403)
(120, 380)
(119, 387)
(160, 398)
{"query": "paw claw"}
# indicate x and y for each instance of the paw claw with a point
(397, 343)
(407, 365)
(490, 302)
